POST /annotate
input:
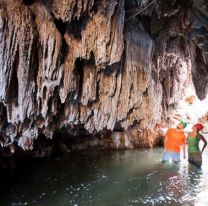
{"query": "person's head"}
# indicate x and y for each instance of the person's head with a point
(181, 125)
(197, 127)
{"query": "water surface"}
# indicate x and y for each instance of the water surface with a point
(109, 178)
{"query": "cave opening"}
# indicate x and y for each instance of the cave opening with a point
(64, 51)
(96, 5)
(73, 138)
(28, 2)
(80, 65)
(12, 97)
(44, 92)
(43, 147)
(146, 23)
(60, 25)
(75, 28)
(77, 25)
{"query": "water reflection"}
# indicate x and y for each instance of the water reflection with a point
(110, 178)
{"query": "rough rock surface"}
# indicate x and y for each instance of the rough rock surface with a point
(105, 67)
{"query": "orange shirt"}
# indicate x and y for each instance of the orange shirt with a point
(173, 139)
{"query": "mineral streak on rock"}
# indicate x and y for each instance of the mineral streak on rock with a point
(99, 65)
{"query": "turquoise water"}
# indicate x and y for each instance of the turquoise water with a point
(109, 178)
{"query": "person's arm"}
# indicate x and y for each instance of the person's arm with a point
(184, 146)
(166, 136)
(184, 150)
(204, 140)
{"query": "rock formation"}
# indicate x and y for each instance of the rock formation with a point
(97, 67)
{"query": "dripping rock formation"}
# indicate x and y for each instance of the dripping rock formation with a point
(111, 69)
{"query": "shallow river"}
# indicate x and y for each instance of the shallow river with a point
(109, 178)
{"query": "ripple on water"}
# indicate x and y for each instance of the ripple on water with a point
(111, 178)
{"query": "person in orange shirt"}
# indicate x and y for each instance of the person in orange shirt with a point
(174, 138)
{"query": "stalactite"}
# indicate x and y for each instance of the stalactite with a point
(114, 68)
